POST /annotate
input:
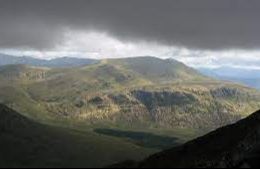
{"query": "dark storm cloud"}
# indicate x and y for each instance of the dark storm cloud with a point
(207, 24)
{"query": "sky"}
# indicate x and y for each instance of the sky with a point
(200, 33)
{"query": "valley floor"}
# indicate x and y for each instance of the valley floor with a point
(25, 143)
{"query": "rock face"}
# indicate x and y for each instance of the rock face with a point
(224, 92)
(236, 145)
(183, 108)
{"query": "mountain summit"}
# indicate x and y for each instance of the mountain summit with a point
(158, 70)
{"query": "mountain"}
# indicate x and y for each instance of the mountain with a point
(156, 69)
(249, 77)
(139, 93)
(54, 63)
(233, 146)
(25, 143)
(113, 110)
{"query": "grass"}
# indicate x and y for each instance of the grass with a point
(151, 138)
(94, 119)
(25, 143)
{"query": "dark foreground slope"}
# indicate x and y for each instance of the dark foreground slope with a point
(24, 143)
(237, 145)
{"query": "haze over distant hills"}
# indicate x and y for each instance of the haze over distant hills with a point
(58, 62)
(249, 77)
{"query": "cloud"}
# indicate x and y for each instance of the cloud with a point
(94, 45)
(213, 59)
(198, 33)
(200, 24)
(104, 46)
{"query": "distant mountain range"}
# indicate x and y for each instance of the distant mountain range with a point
(249, 77)
(54, 63)
(233, 146)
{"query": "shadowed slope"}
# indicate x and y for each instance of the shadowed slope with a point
(237, 145)
(24, 143)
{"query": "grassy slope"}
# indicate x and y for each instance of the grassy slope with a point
(69, 97)
(232, 146)
(69, 93)
(157, 70)
(25, 143)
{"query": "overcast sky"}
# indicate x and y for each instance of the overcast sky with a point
(197, 32)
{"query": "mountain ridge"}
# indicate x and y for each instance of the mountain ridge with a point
(62, 62)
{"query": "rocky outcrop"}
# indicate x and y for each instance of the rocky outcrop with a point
(224, 92)
(182, 108)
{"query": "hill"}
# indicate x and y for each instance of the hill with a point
(117, 106)
(25, 143)
(232, 146)
(22, 73)
(158, 70)
(53, 63)
(142, 92)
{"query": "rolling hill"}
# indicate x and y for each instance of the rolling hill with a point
(233, 146)
(143, 92)
(53, 63)
(132, 106)
(158, 70)
(25, 143)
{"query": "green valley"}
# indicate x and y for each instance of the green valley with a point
(144, 104)
(25, 143)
